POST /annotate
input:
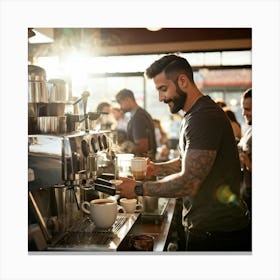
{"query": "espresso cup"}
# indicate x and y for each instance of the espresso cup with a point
(139, 167)
(130, 205)
(103, 212)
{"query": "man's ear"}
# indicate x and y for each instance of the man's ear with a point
(183, 81)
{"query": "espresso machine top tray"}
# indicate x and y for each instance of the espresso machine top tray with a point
(84, 236)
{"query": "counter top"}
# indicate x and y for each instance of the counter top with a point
(83, 236)
(158, 229)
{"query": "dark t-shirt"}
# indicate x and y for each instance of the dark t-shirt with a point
(216, 205)
(141, 126)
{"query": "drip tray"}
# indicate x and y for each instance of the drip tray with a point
(158, 214)
(85, 236)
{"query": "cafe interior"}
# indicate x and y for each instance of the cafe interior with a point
(75, 157)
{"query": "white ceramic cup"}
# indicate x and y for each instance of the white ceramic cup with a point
(130, 205)
(103, 212)
(139, 167)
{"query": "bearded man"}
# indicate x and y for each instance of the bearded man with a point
(207, 173)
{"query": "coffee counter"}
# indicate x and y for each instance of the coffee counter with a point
(83, 236)
(159, 229)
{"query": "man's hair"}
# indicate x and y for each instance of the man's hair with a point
(172, 65)
(247, 93)
(101, 106)
(123, 94)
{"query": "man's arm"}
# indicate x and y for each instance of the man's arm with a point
(196, 165)
(162, 169)
(141, 146)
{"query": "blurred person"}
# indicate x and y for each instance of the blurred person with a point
(123, 144)
(106, 119)
(121, 118)
(245, 147)
(161, 136)
(207, 174)
(220, 102)
(236, 127)
(162, 141)
(140, 128)
(174, 130)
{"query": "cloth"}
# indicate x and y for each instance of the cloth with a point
(141, 126)
(217, 206)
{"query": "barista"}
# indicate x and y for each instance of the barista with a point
(207, 173)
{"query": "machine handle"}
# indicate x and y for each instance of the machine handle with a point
(103, 182)
(105, 189)
(107, 176)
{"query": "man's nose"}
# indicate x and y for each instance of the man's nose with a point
(161, 97)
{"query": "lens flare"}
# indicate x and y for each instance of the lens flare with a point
(225, 195)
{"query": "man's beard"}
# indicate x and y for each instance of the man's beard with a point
(178, 101)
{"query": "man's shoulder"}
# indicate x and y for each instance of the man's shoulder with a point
(141, 112)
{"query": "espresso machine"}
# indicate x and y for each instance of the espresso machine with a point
(66, 167)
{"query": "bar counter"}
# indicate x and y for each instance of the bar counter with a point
(158, 228)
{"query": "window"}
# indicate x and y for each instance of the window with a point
(103, 77)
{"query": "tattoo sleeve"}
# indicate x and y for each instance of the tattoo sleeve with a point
(168, 168)
(196, 165)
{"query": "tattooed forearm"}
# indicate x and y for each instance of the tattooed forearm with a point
(195, 167)
(168, 168)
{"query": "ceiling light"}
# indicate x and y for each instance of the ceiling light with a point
(154, 28)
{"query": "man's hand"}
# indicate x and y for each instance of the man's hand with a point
(126, 188)
(151, 170)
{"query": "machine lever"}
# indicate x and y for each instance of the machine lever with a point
(105, 189)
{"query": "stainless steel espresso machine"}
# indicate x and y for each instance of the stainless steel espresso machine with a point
(65, 168)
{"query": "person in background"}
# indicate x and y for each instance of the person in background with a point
(162, 141)
(122, 119)
(220, 102)
(140, 128)
(175, 124)
(236, 127)
(207, 174)
(245, 148)
(161, 136)
(106, 119)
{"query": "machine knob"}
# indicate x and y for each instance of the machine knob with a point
(104, 140)
(100, 142)
(93, 144)
(85, 148)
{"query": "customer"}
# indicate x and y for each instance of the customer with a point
(106, 119)
(121, 118)
(140, 128)
(162, 141)
(245, 146)
(207, 174)
(236, 127)
(221, 102)
(175, 124)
